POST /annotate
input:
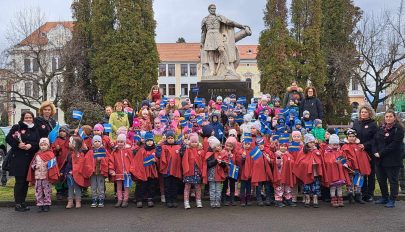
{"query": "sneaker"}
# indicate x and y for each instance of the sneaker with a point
(290, 203)
(260, 203)
(163, 198)
(100, 203)
(381, 201)
(124, 204)
(139, 204)
(25, 207)
(187, 205)
(169, 205)
(279, 204)
(390, 204)
(150, 203)
(93, 203)
(368, 198)
(199, 204)
(174, 205)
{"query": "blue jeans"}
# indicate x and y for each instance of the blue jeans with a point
(245, 188)
(268, 189)
(74, 191)
(313, 188)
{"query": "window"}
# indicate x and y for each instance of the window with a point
(162, 70)
(184, 89)
(2, 92)
(171, 70)
(54, 64)
(35, 90)
(193, 70)
(28, 89)
(163, 89)
(27, 65)
(184, 70)
(172, 89)
(355, 84)
(35, 65)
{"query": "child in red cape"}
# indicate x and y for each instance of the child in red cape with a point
(244, 162)
(95, 168)
(359, 161)
(192, 163)
(261, 173)
(87, 138)
(215, 170)
(145, 171)
(284, 178)
(43, 171)
(294, 148)
(119, 168)
(309, 168)
(61, 148)
(72, 171)
(98, 129)
(336, 172)
(170, 167)
(232, 153)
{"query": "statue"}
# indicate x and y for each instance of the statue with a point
(219, 54)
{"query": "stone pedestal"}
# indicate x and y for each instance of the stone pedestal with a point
(210, 89)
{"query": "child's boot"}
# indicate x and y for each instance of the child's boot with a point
(334, 202)
(350, 197)
(232, 197)
(199, 204)
(118, 204)
(46, 208)
(78, 203)
(359, 199)
(249, 200)
(139, 204)
(69, 204)
(279, 204)
(163, 198)
(316, 204)
(187, 205)
(242, 200)
(124, 204)
(340, 202)
(150, 203)
(306, 200)
(93, 203)
(101, 203)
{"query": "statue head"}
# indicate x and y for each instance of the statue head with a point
(212, 8)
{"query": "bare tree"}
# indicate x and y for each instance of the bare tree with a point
(381, 45)
(34, 63)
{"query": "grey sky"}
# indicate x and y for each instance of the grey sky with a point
(175, 18)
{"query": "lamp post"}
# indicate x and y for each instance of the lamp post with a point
(14, 106)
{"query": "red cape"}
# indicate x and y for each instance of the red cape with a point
(284, 175)
(220, 172)
(139, 170)
(303, 166)
(205, 145)
(61, 155)
(334, 171)
(53, 173)
(120, 162)
(357, 158)
(89, 143)
(89, 165)
(245, 166)
(77, 166)
(261, 170)
(107, 144)
(171, 156)
(192, 156)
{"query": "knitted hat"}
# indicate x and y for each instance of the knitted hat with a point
(192, 113)
(96, 138)
(219, 98)
(281, 121)
(98, 127)
(351, 131)
(259, 140)
(64, 128)
(44, 140)
(257, 125)
(231, 140)
(193, 137)
(207, 130)
(247, 138)
(297, 122)
(309, 138)
(213, 142)
(295, 133)
(247, 117)
(334, 139)
(170, 133)
(148, 136)
(306, 112)
(233, 132)
(317, 122)
(122, 137)
(122, 130)
(145, 103)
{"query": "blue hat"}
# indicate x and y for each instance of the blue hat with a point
(297, 122)
(148, 136)
(170, 133)
(247, 138)
(281, 121)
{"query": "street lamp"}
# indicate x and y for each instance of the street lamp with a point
(14, 106)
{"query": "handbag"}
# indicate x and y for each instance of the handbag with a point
(7, 160)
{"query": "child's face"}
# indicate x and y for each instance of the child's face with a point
(319, 125)
(97, 132)
(298, 126)
(311, 144)
(229, 146)
(215, 119)
(62, 134)
(327, 135)
(144, 114)
(296, 138)
(231, 119)
(155, 90)
(218, 148)
(157, 125)
(277, 104)
(351, 138)
(71, 143)
(334, 146)
(253, 130)
(193, 144)
(120, 144)
(149, 143)
(266, 112)
(43, 146)
(96, 144)
(170, 140)
(283, 148)
(246, 145)
(306, 116)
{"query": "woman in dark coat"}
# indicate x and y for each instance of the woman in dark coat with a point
(44, 122)
(388, 151)
(312, 104)
(366, 128)
(24, 141)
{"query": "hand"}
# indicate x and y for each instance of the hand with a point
(361, 146)
(377, 155)
(57, 147)
(345, 165)
(112, 173)
(76, 131)
(28, 146)
(21, 146)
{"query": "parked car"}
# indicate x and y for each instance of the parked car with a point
(354, 116)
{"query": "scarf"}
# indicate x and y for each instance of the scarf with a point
(387, 127)
(30, 125)
(149, 148)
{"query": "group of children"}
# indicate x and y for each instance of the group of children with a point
(262, 151)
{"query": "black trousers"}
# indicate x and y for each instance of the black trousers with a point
(145, 189)
(20, 189)
(369, 181)
(231, 182)
(392, 175)
(171, 188)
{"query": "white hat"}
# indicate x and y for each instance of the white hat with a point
(213, 142)
(334, 139)
(309, 138)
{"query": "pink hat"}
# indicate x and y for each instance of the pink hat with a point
(122, 130)
(157, 119)
(231, 140)
(193, 113)
(194, 137)
(122, 137)
(176, 113)
(162, 113)
(295, 133)
(171, 100)
(98, 127)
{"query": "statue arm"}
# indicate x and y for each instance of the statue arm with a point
(230, 22)
(203, 33)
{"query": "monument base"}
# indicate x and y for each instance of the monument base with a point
(210, 89)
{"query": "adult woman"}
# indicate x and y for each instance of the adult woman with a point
(388, 152)
(312, 104)
(108, 111)
(118, 119)
(44, 122)
(366, 128)
(24, 141)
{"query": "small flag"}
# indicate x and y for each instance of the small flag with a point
(294, 146)
(81, 133)
(233, 171)
(358, 179)
(99, 153)
(180, 138)
(224, 107)
(187, 114)
(239, 118)
(107, 128)
(148, 160)
(220, 133)
(284, 138)
(137, 136)
(51, 163)
(199, 120)
(198, 100)
(256, 153)
(54, 133)
(163, 120)
(183, 123)
(77, 115)
(127, 180)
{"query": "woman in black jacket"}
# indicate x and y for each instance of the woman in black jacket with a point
(388, 152)
(312, 104)
(366, 128)
(24, 141)
(44, 122)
